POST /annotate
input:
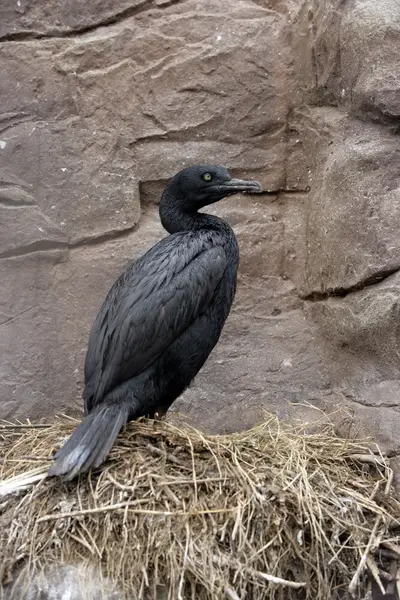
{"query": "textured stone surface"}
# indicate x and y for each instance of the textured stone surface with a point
(28, 18)
(100, 104)
(347, 55)
(353, 218)
(370, 61)
(367, 321)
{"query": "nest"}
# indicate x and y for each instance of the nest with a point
(274, 512)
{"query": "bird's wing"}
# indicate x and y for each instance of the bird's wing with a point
(148, 307)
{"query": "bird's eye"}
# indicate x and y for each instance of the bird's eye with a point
(207, 176)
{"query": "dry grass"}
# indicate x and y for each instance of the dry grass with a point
(272, 513)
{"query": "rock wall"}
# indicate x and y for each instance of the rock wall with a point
(102, 103)
(348, 123)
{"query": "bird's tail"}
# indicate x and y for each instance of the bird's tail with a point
(91, 442)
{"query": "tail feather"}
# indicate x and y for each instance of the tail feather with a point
(91, 442)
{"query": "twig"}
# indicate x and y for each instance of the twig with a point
(354, 582)
(172, 496)
(237, 522)
(29, 459)
(231, 593)
(159, 452)
(200, 480)
(389, 482)
(370, 459)
(78, 513)
(278, 580)
(394, 572)
(120, 486)
(386, 576)
(382, 553)
(392, 547)
(84, 543)
(24, 426)
(264, 576)
(164, 513)
(19, 484)
(193, 468)
(185, 559)
(375, 490)
(375, 573)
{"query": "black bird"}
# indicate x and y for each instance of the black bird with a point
(161, 318)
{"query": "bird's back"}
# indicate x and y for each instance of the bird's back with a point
(154, 301)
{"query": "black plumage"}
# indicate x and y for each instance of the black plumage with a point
(161, 318)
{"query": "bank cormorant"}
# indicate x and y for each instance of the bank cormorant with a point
(161, 318)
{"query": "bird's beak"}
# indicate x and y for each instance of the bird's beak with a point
(241, 185)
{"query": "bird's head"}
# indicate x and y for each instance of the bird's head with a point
(200, 185)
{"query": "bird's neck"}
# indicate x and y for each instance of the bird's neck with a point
(174, 218)
(185, 221)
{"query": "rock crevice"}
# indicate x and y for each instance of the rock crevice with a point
(109, 18)
(374, 279)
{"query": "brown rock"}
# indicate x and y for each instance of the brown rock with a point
(27, 18)
(85, 192)
(366, 321)
(352, 220)
(348, 56)
(27, 229)
(316, 51)
(74, 138)
(370, 59)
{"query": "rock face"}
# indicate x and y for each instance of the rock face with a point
(102, 103)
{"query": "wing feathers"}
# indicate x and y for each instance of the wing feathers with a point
(149, 306)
